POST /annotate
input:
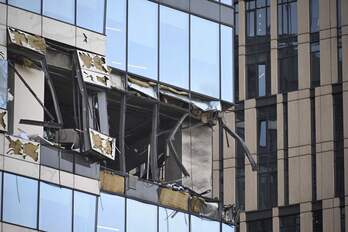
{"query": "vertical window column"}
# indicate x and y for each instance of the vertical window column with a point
(267, 157)
(287, 44)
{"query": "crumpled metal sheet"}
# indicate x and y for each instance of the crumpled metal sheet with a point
(102, 144)
(147, 88)
(148, 91)
(23, 39)
(200, 206)
(202, 105)
(94, 69)
(3, 120)
(23, 149)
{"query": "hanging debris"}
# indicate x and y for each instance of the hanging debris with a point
(94, 69)
(102, 144)
(23, 149)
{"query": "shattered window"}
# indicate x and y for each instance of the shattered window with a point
(20, 200)
(55, 202)
(84, 212)
(116, 33)
(3, 84)
(63, 10)
(204, 57)
(174, 40)
(31, 5)
(138, 130)
(204, 225)
(111, 213)
(170, 220)
(90, 15)
(141, 217)
(227, 78)
(142, 38)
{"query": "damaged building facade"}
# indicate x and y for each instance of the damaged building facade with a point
(117, 115)
(174, 115)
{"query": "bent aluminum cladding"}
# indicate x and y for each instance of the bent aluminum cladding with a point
(26, 40)
(202, 105)
(102, 144)
(94, 69)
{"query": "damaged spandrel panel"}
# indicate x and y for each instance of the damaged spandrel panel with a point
(94, 69)
(23, 39)
(22, 149)
(3, 83)
(102, 144)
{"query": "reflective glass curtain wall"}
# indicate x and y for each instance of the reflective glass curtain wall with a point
(204, 57)
(258, 82)
(142, 38)
(227, 64)
(90, 14)
(63, 10)
(116, 33)
(267, 157)
(20, 200)
(287, 44)
(55, 203)
(174, 47)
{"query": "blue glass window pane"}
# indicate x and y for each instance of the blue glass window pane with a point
(142, 38)
(116, 33)
(261, 69)
(315, 15)
(227, 78)
(227, 228)
(90, 14)
(111, 213)
(204, 57)
(204, 225)
(84, 212)
(170, 220)
(31, 5)
(3, 83)
(174, 47)
(261, 21)
(228, 2)
(262, 139)
(141, 217)
(55, 202)
(251, 23)
(293, 16)
(63, 9)
(20, 200)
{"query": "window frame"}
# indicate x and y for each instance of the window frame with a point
(253, 10)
